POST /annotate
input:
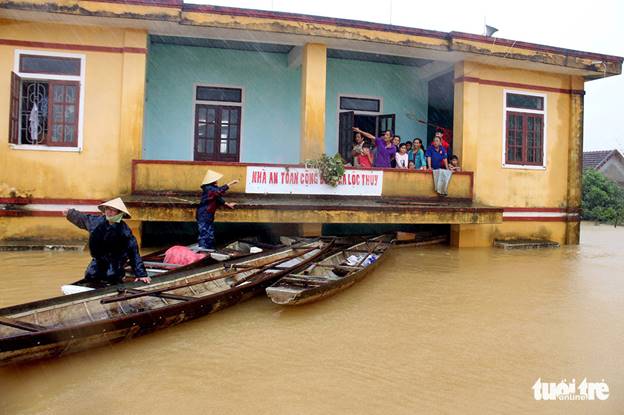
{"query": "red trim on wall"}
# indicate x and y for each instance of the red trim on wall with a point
(48, 201)
(518, 85)
(176, 4)
(21, 213)
(536, 209)
(534, 46)
(543, 219)
(68, 46)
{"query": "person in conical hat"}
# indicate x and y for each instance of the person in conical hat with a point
(111, 243)
(211, 200)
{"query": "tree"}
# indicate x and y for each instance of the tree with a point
(603, 199)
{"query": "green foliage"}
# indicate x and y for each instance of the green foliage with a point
(331, 168)
(603, 200)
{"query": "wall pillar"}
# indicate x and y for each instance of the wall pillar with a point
(466, 139)
(131, 107)
(472, 235)
(136, 226)
(313, 91)
(575, 161)
(310, 229)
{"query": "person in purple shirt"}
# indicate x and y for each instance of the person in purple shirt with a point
(436, 155)
(385, 148)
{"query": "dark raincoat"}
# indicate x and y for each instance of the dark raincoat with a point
(211, 199)
(112, 246)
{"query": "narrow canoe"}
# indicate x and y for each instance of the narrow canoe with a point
(332, 274)
(156, 266)
(71, 323)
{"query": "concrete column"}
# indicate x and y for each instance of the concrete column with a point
(466, 137)
(131, 107)
(136, 226)
(575, 160)
(310, 229)
(472, 235)
(466, 142)
(313, 79)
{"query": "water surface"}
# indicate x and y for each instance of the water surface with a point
(434, 330)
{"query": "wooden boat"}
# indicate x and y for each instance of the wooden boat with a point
(340, 270)
(332, 274)
(407, 239)
(71, 323)
(156, 267)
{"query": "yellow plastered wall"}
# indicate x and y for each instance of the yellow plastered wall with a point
(40, 228)
(481, 138)
(479, 129)
(483, 235)
(188, 177)
(112, 115)
(313, 80)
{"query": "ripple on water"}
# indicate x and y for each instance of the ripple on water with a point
(432, 330)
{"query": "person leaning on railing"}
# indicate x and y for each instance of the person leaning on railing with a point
(385, 150)
(436, 155)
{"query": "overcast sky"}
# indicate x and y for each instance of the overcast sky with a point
(597, 26)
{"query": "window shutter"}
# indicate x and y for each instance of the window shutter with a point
(14, 109)
(63, 114)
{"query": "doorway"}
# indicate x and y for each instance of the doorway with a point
(373, 124)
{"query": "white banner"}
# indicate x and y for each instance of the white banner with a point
(302, 181)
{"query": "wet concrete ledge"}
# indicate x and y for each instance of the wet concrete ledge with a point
(315, 209)
(44, 245)
(525, 244)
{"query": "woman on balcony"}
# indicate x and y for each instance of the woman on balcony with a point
(385, 149)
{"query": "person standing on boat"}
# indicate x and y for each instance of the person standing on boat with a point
(211, 200)
(111, 243)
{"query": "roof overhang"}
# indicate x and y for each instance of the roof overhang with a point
(174, 18)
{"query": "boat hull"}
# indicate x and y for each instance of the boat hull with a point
(50, 342)
(315, 294)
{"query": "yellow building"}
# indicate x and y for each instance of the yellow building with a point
(138, 98)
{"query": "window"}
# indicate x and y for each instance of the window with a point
(45, 100)
(217, 123)
(524, 129)
(206, 93)
(359, 104)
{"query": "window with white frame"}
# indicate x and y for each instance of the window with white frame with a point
(524, 129)
(45, 100)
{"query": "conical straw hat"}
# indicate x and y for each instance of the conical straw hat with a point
(211, 176)
(116, 204)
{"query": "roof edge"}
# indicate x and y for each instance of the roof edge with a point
(340, 22)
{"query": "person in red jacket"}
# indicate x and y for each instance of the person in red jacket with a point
(445, 144)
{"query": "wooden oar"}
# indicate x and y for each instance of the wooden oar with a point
(204, 280)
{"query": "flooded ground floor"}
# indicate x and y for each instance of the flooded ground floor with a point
(434, 330)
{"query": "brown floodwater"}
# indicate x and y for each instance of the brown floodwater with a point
(433, 330)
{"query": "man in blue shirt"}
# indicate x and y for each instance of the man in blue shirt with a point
(436, 155)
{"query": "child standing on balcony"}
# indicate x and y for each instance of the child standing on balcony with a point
(401, 157)
(454, 163)
(211, 199)
(365, 159)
